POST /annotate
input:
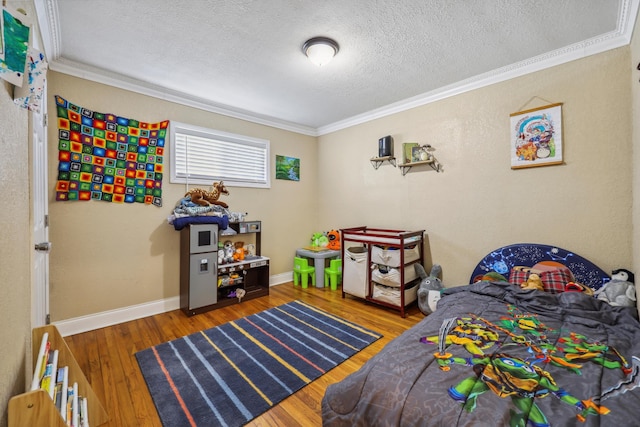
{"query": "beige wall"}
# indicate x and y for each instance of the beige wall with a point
(15, 244)
(107, 256)
(111, 256)
(635, 157)
(478, 203)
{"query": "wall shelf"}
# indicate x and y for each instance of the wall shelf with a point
(377, 161)
(433, 162)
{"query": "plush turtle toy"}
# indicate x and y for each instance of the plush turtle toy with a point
(620, 290)
(429, 283)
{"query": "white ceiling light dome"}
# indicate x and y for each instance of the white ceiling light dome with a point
(320, 50)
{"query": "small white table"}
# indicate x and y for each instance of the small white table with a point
(318, 261)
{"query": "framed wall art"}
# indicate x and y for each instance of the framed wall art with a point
(536, 137)
(410, 153)
(287, 168)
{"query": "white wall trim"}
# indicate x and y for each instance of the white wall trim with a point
(91, 322)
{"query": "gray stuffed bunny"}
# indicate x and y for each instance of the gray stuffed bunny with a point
(428, 283)
(620, 291)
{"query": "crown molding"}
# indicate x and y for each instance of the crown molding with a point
(49, 25)
(620, 37)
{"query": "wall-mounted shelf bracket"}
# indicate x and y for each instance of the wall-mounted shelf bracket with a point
(433, 162)
(377, 161)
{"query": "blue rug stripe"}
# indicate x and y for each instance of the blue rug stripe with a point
(262, 367)
(229, 374)
(201, 390)
(308, 323)
(293, 338)
(353, 333)
(223, 385)
(310, 338)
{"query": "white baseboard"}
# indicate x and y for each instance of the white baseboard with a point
(281, 278)
(90, 322)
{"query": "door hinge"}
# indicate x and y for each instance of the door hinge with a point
(47, 319)
(45, 120)
(46, 220)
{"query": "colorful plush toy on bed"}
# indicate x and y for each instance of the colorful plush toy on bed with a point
(620, 291)
(429, 284)
(533, 282)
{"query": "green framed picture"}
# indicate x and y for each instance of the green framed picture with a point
(287, 168)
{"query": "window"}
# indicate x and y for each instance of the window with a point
(202, 156)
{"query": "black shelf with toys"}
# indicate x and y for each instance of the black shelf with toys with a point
(230, 270)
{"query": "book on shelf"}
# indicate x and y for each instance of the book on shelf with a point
(48, 382)
(84, 412)
(41, 361)
(61, 394)
(74, 407)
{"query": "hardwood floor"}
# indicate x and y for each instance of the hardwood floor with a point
(107, 355)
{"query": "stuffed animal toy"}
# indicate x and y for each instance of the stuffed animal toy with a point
(533, 282)
(319, 240)
(203, 197)
(229, 250)
(239, 251)
(620, 290)
(578, 287)
(334, 240)
(430, 283)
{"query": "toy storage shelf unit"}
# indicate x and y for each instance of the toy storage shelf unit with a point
(36, 408)
(378, 265)
(206, 285)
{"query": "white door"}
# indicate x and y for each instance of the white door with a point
(40, 284)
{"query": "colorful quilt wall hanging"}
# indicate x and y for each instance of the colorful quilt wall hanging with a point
(106, 157)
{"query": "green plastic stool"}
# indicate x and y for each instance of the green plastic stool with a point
(302, 271)
(333, 274)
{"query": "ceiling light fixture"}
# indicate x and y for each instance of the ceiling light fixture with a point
(320, 50)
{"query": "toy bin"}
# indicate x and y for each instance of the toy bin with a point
(391, 256)
(354, 271)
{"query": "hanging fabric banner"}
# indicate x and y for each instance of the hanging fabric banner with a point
(107, 157)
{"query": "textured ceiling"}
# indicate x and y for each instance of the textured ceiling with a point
(244, 58)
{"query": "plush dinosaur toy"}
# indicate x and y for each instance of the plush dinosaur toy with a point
(620, 290)
(430, 283)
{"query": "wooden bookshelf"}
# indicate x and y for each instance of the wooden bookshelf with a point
(35, 408)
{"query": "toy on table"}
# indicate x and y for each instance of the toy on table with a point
(203, 197)
(319, 240)
(334, 240)
(620, 291)
(533, 282)
(429, 288)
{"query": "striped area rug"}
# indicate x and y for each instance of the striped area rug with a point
(232, 373)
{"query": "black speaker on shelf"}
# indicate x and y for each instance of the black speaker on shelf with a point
(385, 146)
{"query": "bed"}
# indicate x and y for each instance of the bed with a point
(493, 354)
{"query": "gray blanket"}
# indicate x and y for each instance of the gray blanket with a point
(492, 355)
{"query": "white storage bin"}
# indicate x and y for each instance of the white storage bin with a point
(354, 271)
(391, 256)
(391, 277)
(391, 294)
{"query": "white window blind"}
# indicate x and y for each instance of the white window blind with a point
(202, 156)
